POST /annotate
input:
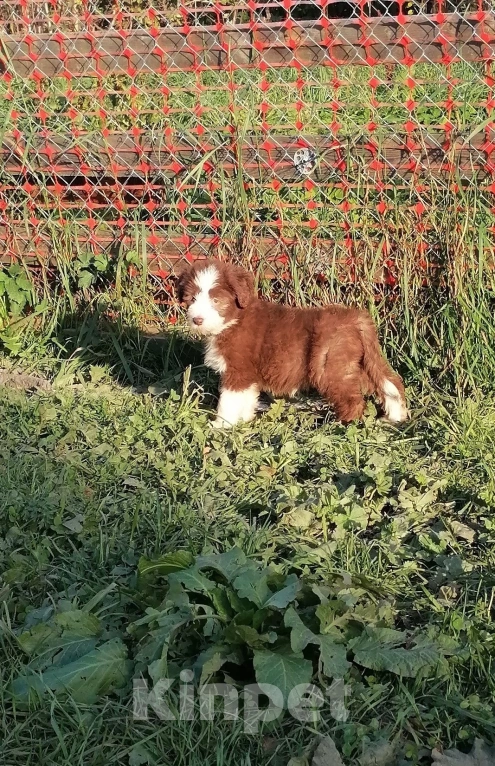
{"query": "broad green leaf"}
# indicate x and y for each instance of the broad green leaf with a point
(177, 596)
(99, 597)
(253, 585)
(171, 562)
(151, 616)
(334, 657)
(332, 654)
(246, 618)
(23, 283)
(289, 447)
(41, 615)
(300, 635)
(245, 634)
(283, 597)
(259, 618)
(84, 259)
(388, 636)
(140, 756)
(284, 671)
(68, 636)
(213, 658)
(221, 603)
(97, 673)
(300, 518)
(16, 306)
(158, 669)
(65, 649)
(330, 616)
(430, 496)
(448, 645)
(371, 652)
(97, 373)
(101, 263)
(239, 605)
(193, 579)
(38, 638)
(14, 345)
(85, 279)
(228, 563)
(78, 622)
(169, 624)
(209, 662)
(15, 294)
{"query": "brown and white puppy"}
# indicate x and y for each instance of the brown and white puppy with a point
(260, 346)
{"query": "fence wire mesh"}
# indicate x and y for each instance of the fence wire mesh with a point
(180, 129)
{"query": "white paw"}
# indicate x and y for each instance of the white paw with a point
(397, 416)
(220, 423)
(249, 418)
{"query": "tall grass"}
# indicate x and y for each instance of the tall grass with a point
(418, 255)
(434, 306)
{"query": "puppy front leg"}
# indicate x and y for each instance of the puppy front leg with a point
(236, 406)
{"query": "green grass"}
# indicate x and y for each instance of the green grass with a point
(463, 82)
(96, 473)
(117, 460)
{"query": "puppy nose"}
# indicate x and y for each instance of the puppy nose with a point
(198, 320)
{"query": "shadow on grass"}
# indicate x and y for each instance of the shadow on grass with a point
(152, 359)
(138, 357)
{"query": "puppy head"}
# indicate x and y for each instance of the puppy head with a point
(215, 294)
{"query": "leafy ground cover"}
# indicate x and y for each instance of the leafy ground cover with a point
(307, 550)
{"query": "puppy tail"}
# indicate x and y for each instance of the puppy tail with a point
(384, 382)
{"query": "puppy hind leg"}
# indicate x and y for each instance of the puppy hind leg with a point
(344, 393)
(394, 403)
(349, 408)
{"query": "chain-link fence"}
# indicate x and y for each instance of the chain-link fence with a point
(177, 129)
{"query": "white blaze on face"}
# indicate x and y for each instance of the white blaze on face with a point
(202, 306)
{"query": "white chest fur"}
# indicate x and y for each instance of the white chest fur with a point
(213, 358)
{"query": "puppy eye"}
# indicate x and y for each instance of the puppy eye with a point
(215, 301)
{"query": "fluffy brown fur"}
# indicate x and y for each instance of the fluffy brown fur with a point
(261, 346)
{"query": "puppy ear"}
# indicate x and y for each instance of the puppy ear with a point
(242, 282)
(183, 278)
